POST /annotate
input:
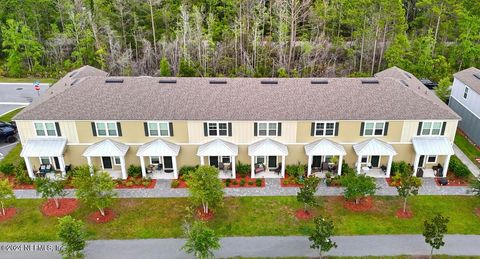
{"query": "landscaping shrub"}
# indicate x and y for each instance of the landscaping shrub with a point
(234, 182)
(346, 169)
(21, 176)
(295, 171)
(185, 170)
(258, 182)
(146, 182)
(242, 182)
(458, 168)
(7, 168)
(243, 169)
(134, 171)
(228, 182)
(250, 183)
(175, 183)
(129, 184)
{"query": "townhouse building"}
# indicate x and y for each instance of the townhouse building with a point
(162, 124)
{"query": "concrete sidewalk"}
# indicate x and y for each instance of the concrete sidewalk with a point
(268, 246)
(473, 168)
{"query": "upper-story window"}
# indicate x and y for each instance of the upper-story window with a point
(107, 129)
(46, 129)
(325, 128)
(158, 129)
(268, 129)
(465, 93)
(433, 128)
(217, 129)
(377, 128)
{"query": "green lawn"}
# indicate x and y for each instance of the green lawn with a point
(27, 80)
(247, 216)
(471, 151)
(14, 155)
(8, 116)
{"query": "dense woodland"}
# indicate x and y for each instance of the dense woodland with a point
(261, 38)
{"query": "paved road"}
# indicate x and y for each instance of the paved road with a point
(376, 245)
(15, 95)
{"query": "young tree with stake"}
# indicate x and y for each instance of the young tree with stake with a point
(205, 187)
(72, 234)
(7, 196)
(358, 186)
(434, 231)
(50, 189)
(407, 184)
(201, 240)
(321, 235)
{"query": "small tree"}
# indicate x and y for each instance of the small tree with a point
(50, 189)
(475, 186)
(72, 235)
(165, 67)
(407, 184)
(321, 235)
(306, 195)
(205, 187)
(96, 190)
(7, 196)
(358, 186)
(443, 88)
(201, 240)
(434, 231)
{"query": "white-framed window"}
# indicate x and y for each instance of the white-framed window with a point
(431, 128)
(158, 129)
(260, 160)
(374, 128)
(465, 93)
(364, 160)
(325, 128)
(154, 160)
(217, 128)
(225, 159)
(106, 128)
(431, 159)
(116, 160)
(45, 129)
(267, 129)
(45, 160)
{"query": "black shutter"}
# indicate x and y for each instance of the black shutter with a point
(385, 131)
(145, 128)
(170, 126)
(119, 129)
(57, 127)
(419, 130)
(255, 126)
(94, 129)
(205, 129)
(279, 129)
(444, 125)
(230, 129)
(362, 126)
(336, 128)
(312, 129)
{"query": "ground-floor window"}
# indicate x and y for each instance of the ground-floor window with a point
(154, 160)
(431, 159)
(45, 160)
(116, 160)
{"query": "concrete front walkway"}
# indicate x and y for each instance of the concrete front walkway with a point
(473, 168)
(268, 246)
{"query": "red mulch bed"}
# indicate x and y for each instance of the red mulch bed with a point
(204, 216)
(182, 184)
(246, 185)
(152, 184)
(97, 217)
(365, 204)
(404, 215)
(291, 182)
(9, 213)
(477, 210)
(67, 206)
(453, 181)
(305, 215)
(390, 182)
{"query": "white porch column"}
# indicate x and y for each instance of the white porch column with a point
(174, 164)
(89, 162)
(340, 163)
(234, 174)
(252, 167)
(359, 163)
(29, 167)
(445, 165)
(389, 165)
(123, 167)
(309, 166)
(202, 160)
(283, 166)
(61, 161)
(142, 164)
(415, 164)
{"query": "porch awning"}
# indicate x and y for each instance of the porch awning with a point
(218, 147)
(324, 147)
(267, 147)
(106, 147)
(374, 147)
(432, 146)
(38, 147)
(158, 147)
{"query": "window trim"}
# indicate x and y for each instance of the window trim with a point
(158, 125)
(50, 159)
(324, 128)
(465, 92)
(428, 162)
(114, 159)
(374, 127)
(106, 129)
(159, 160)
(431, 128)
(268, 128)
(45, 128)
(227, 123)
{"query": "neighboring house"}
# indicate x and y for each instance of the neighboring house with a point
(163, 124)
(465, 100)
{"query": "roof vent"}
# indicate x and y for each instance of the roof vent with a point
(114, 80)
(477, 76)
(167, 81)
(269, 82)
(408, 75)
(403, 82)
(73, 73)
(369, 81)
(319, 82)
(218, 82)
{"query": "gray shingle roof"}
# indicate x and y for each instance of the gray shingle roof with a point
(144, 98)
(467, 77)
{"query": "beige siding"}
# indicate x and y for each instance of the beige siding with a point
(26, 130)
(410, 129)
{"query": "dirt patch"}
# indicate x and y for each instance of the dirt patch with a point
(404, 215)
(477, 210)
(9, 213)
(365, 204)
(67, 206)
(97, 217)
(204, 216)
(304, 215)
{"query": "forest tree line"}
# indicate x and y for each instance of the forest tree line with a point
(257, 38)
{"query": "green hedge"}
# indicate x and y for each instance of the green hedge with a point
(458, 168)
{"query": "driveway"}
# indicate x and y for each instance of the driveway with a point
(15, 95)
